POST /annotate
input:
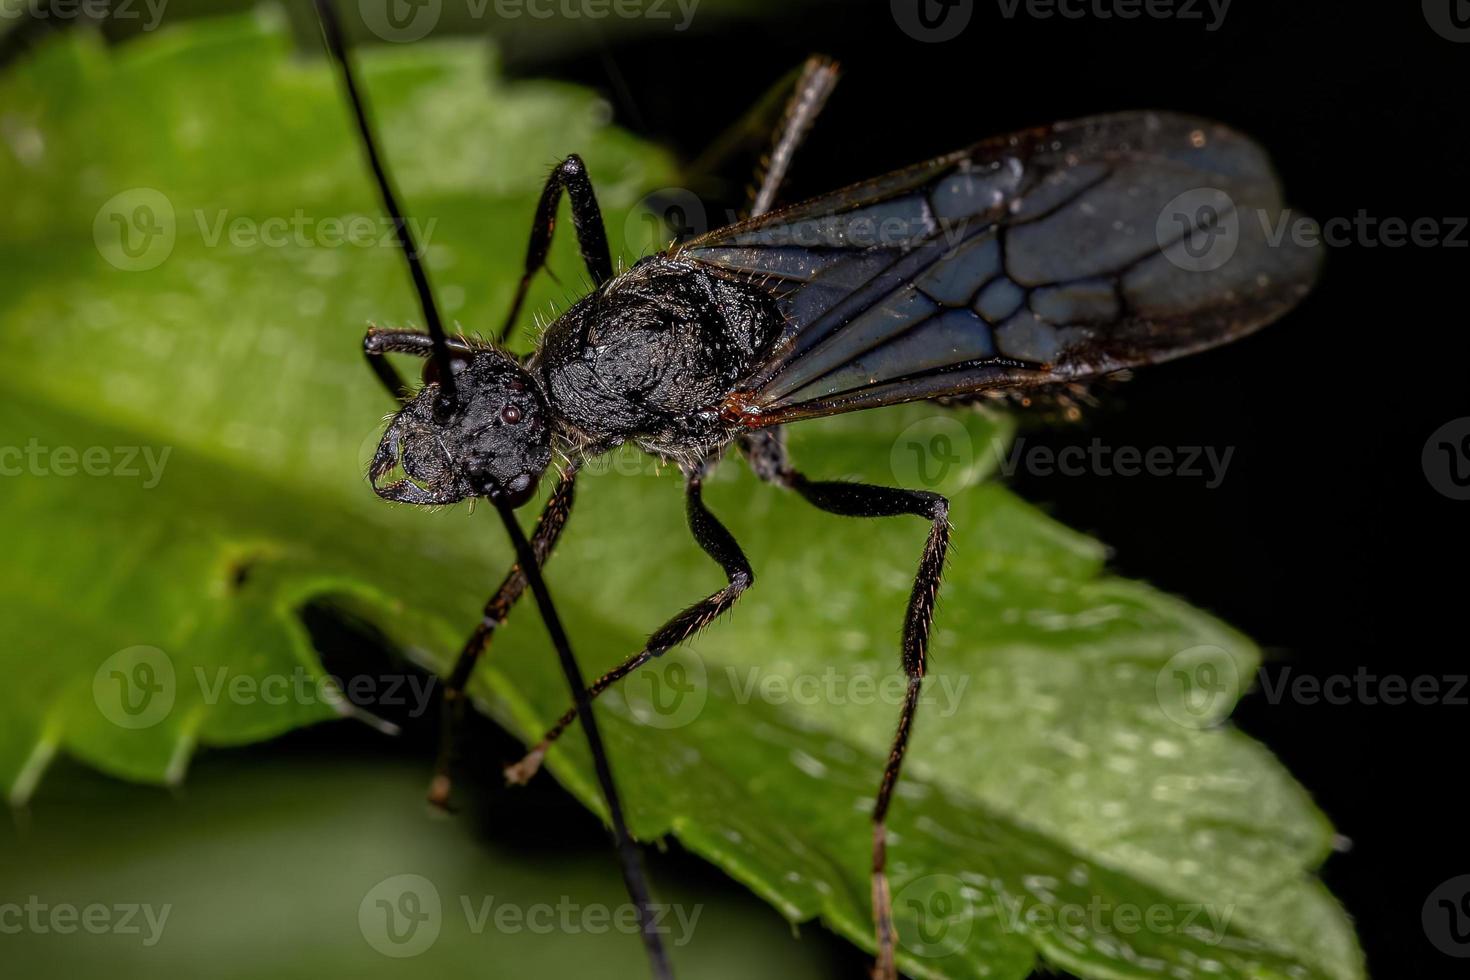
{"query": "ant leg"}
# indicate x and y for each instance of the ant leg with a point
(549, 526)
(389, 377)
(571, 176)
(387, 341)
(720, 545)
(378, 342)
(772, 129)
(767, 456)
(818, 77)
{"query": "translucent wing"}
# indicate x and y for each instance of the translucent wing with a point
(1051, 255)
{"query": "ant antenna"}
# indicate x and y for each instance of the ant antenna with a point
(332, 34)
(628, 851)
(632, 864)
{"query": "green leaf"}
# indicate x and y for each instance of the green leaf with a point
(175, 292)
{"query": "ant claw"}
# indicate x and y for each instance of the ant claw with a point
(520, 774)
(439, 789)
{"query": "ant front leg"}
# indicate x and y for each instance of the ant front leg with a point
(720, 545)
(378, 343)
(570, 175)
(767, 454)
(553, 520)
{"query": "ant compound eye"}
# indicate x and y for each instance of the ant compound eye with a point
(510, 414)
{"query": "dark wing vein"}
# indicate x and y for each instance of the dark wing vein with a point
(1051, 255)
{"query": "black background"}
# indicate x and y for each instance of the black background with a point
(1325, 542)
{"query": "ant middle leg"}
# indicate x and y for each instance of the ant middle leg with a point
(720, 545)
(549, 525)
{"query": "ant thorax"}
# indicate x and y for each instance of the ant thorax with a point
(650, 356)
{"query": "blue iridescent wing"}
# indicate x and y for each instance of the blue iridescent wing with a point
(1048, 256)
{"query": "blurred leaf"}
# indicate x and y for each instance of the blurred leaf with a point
(176, 283)
(274, 866)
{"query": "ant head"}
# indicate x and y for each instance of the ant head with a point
(492, 439)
